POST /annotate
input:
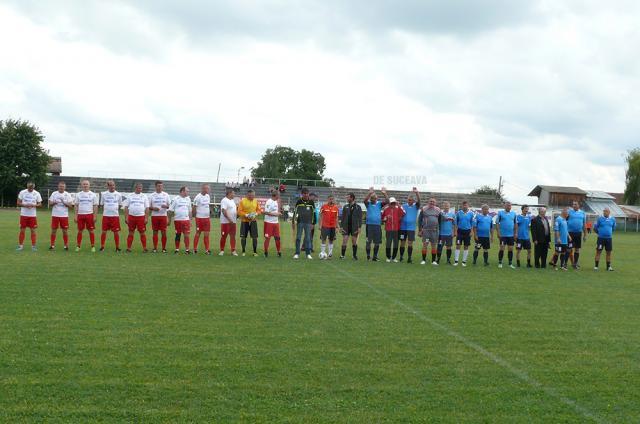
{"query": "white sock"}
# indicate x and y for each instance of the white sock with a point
(464, 255)
(331, 248)
(322, 247)
(457, 255)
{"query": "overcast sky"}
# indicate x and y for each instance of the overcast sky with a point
(457, 91)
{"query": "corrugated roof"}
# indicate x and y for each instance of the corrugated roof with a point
(596, 194)
(597, 207)
(556, 189)
(631, 210)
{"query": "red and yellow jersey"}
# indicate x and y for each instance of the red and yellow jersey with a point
(329, 215)
(248, 207)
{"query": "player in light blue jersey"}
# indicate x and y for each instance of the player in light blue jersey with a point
(408, 224)
(374, 220)
(464, 223)
(604, 228)
(523, 240)
(447, 230)
(505, 225)
(482, 234)
(577, 223)
(562, 237)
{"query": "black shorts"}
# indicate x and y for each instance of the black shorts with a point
(350, 232)
(483, 243)
(408, 235)
(327, 233)
(561, 248)
(604, 244)
(374, 233)
(445, 240)
(576, 240)
(523, 244)
(464, 237)
(249, 228)
(507, 241)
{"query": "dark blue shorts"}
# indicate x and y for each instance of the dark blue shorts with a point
(604, 244)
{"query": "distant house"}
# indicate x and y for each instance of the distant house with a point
(558, 196)
(55, 165)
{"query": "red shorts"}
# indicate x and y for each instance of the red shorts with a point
(110, 223)
(28, 222)
(59, 222)
(271, 229)
(159, 223)
(203, 224)
(136, 223)
(182, 226)
(86, 221)
(229, 229)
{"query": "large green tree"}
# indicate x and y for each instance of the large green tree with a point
(22, 157)
(290, 165)
(632, 190)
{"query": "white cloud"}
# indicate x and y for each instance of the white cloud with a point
(542, 94)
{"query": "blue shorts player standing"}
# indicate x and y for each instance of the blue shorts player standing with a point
(563, 238)
(505, 225)
(523, 241)
(604, 228)
(482, 234)
(463, 223)
(577, 223)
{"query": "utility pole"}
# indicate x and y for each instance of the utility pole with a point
(500, 186)
(218, 175)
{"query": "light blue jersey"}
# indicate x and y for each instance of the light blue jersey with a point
(464, 220)
(524, 222)
(576, 221)
(506, 223)
(561, 227)
(374, 212)
(411, 216)
(483, 224)
(446, 223)
(605, 227)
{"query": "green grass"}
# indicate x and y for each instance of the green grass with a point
(158, 338)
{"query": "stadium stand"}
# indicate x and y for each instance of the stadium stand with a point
(125, 185)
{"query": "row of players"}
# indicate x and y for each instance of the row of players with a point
(435, 226)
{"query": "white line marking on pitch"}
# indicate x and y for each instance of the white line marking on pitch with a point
(522, 375)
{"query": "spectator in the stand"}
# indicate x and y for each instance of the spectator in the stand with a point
(282, 188)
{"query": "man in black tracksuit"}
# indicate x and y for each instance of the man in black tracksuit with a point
(350, 223)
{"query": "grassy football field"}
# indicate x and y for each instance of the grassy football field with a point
(164, 338)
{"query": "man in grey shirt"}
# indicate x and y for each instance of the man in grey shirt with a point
(429, 225)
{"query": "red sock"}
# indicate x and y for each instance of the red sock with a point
(79, 238)
(53, 239)
(116, 238)
(129, 241)
(164, 241)
(278, 245)
(103, 239)
(223, 240)
(196, 239)
(33, 238)
(143, 240)
(21, 238)
(65, 239)
(155, 241)
(92, 238)
(266, 245)
(206, 242)
(186, 242)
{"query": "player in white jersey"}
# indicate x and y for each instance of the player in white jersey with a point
(159, 202)
(28, 200)
(228, 218)
(86, 205)
(202, 212)
(111, 201)
(271, 225)
(60, 201)
(181, 210)
(136, 209)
